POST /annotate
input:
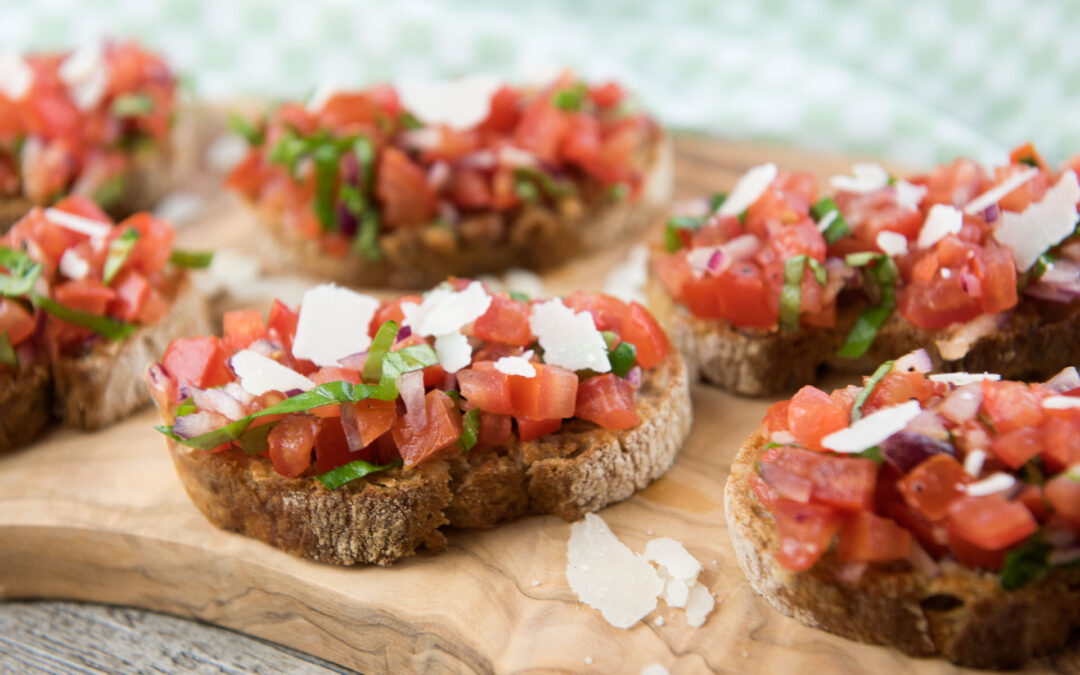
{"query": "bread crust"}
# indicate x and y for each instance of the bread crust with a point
(1033, 341)
(536, 237)
(962, 614)
(105, 384)
(388, 516)
(25, 399)
(148, 180)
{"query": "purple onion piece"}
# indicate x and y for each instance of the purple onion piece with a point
(404, 333)
(157, 374)
(197, 424)
(351, 169)
(294, 392)
(1064, 381)
(634, 376)
(992, 213)
(346, 220)
(906, 450)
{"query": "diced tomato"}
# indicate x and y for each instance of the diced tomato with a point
(842, 482)
(332, 447)
(1061, 440)
(973, 556)
(486, 388)
(82, 206)
(582, 140)
(1063, 493)
(550, 394)
(15, 321)
(798, 238)
(86, 295)
(402, 187)
(869, 214)
(938, 304)
(348, 109)
(505, 112)
(197, 361)
(641, 329)
(776, 417)
(739, 294)
(384, 450)
(608, 312)
(996, 272)
(1030, 192)
(954, 184)
(1010, 405)
(541, 129)
(812, 416)
(899, 387)
(505, 321)
(373, 418)
(607, 400)
(866, 537)
(1033, 498)
(1027, 154)
(241, 328)
(390, 310)
(283, 320)
(154, 308)
(1016, 447)
(805, 532)
(436, 438)
(132, 290)
(607, 95)
(765, 492)
(154, 245)
(470, 189)
(493, 430)
(932, 486)
(673, 272)
(844, 399)
(291, 443)
(331, 374)
(991, 522)
(529, 430)
(434, 376)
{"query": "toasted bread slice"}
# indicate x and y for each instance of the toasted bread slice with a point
(148, 180)
(961, 614)
(105, 384)
(25, 399)
(390, 515)
(537, 237)
(1033, 341)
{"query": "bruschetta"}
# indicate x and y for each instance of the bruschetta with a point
(937, 513)
(404, 186)
(766, 286)
(93, 122)
(353, 431)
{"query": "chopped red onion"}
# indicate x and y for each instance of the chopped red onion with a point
(715, 262)
(449, 382)
(346, 220)
(962, 403)
(1071, 250)
(1067, 380)
(1051, 293)
(157, 375)
(992, 213)
(1059, 537)
(928, 423)
(906, 450)
(426, 138)
(921, 560)
(971, 284)
(786, 484)
(411, 387)
(634, 377)
(351, 425)
(741, 247)
(216, 400)
(354, 361)
(239, 393)
(199, 423)
(403, 333)
(438, 175)
(264, 347)
(449, 213)
(917, 361)
(1062, 273)
(482, 159)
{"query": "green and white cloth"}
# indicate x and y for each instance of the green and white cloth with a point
(914, 81)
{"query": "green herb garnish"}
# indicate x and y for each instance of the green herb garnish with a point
(354, 470)
(111, 190)
(470, 430)
(23, 273)
(1026, 564)
(239, 125)
(791, 293)
(104, 326)
(672, 239)
(200, 259)
(868, 388)
(119, 251)
(570, 98)
(256, 440)
(884, 275)
(131, 105)
(838, 227)
(872, 453)
(622, 357)
(7, 352)
(326, 172)
(618, 192)
(380, 347)
(519, 296)
(716, 201)
(367, 239)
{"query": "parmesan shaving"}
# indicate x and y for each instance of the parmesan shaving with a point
(942, 221)
(892, 244)
(872, 429)
(999, 192)
(95, 229)
(16, 76)
(460, 104)
(998, 482)
(259, 374)
(960, 379)
(1060, 402)
(751, 186)
(1043, 224)
(866, 177)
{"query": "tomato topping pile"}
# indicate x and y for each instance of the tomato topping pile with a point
(788, 257)
(81, 120)
(360, 164)
(505, 391)
(89, 276)
(987, 473)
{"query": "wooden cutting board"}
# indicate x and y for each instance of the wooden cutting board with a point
(102, 517)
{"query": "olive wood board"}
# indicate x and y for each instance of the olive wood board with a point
(102, 517)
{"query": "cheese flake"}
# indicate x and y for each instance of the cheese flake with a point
(909, 195)
(699, 605)
(998, 192)
(453, 351)
(997, 482)
(866, 177)
(95, 229)
(516, 365)
(751, 186)
(1060, 402)
(974, 461)
(444, 310)
(85, 72)
(460, 104)
(1043, 224)
(569, 339)
(674, 558)
(333, 324)
(326, 91)
(606, 575)
(259, 374)
(960, 379)
(872, 429)
(73, 265)
(942, 221)
(16, 76)
(892, 243)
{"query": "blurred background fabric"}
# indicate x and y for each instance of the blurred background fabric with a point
(914, 82)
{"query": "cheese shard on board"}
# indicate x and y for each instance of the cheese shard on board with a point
(333, 324)
(259, 374)
(699, 605)
(569, 339)
(606, 575)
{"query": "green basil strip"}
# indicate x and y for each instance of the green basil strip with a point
(838, 227)
(1026, 563)
(716, 201)
(872, 453)
(104, 326)
(672, 239)
(256, 441)
(409, 120)
(622, 358)
(543, 180)
(396, 364)
(131, 105)
(353, 199)
(365, 155)
(525, 189)
(791, 293)
(354, 470)
(470, 429)
(110, 192)
(326, 158)
(862, 258)
(24, 273)
(572, 98)
(7, 352)
(119, 251)
(868, 388)
(366, 242)
(519, 296)
(380, 347)
(821, 275)
(864, 331)
(186, 407)
(618, 192)
(239, 125)
(199, 259)
(866, 327)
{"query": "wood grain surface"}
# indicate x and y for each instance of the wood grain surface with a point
(102, 517)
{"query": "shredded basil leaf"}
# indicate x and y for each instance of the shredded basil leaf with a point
(380, 347)
(838, 227)
(545, 182)
(7, 352)
(186, 407)
(570, 98)
(396, 364)
(326, 158)
(868, 388)
(866, 327)
(23, 273)
(367, 240)
(873, 453)
(111, 190)
(354, 470)
(864, 331)
(519, 296)
(104, 326)
(454, 395)
(622, 358)
(862, 258)
(131, 105)
(791, 293)
(239, 125)
(526, 190)
(409, 120)
(672, 240)
(716, 201)
(618, 192)
(470, 429)
(1028, 160)
(1026, 564)
(256, 440)
(200, 259)
(119, 250)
